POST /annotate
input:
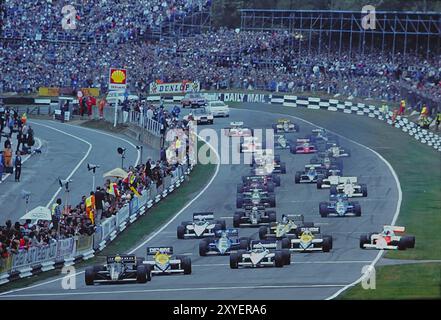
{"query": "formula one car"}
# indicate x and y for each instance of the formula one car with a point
(255, 198)
(262, 179)
(332, 179)
(253, 216)
(260, 255)
(225, 242)
(289, 226)
(237, 129)
(165, 263)
(336, 151)
(261, 157)
(339, 207)
(203, 225)
(328, 163)
(390, 238)
(347, 186)
(281, 142)
(308, 241)
(269, 168)
(303, 146)
(118, 268)
(322, 135)
(285, 125)
(200, 115)
(311, 174)
(250, 144)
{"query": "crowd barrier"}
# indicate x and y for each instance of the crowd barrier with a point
(68, 251)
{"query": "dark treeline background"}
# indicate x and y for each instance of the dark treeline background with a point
(225, 12)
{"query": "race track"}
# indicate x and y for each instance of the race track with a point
(310, 276)
(66, 150)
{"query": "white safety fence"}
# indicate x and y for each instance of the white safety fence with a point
(83, 247)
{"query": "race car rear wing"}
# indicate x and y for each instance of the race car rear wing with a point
(231, 232)
(395, 228)
(296, 217)
(302, 140)
(121, 258)
(267, 244)
(151, 251)
(314, 230)
(347, 179)
(250, 207)
(236, 124)
(316, 166)
(203, 216)
(283, 120)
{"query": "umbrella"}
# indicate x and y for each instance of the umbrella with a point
(116, 173)
(38, 213)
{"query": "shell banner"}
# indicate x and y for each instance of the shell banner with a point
(117, 79)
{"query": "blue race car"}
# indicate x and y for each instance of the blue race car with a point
(339, 206)
(223, 243)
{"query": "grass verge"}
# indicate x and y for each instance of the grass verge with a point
(409, 281)
(145, 225)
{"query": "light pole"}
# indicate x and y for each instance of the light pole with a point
(26, 195)
(140, 148)
(65, 184)
(122, 152)
(93, 167)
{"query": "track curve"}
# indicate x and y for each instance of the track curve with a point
(311, 275)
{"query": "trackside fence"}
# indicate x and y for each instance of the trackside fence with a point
(66, 252)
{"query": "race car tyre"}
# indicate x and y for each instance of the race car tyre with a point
(270, 186)
(274, 126)
(244, 244)
(333, 190)
(149, 269)
(282, 168)
(308, 224)
(272, 200)
(139, 261)
(364, 190)
(410, 241)
(263, 232)
(357, 209)
(277, 158)
(323, 209)
(292, 149)
(97, 269)
(402, 244)
(180, 232)
(239, 201)
(364, 240)
(234, 260)
(203, 248)
(286, 257)
(279, 260)
(217, 227)
(236, 219)
(211, 121)
(141, 274)
(297, 128)
(222, 223)
(240, 188)
(327, 243)
(319, 183)
(272, 217)
(185, 223)
(286, 243)
(186, 264)
(297, 177)
(276, 180)
(89, 276)
(348, 152)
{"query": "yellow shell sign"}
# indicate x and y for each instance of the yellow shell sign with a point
(118, 76)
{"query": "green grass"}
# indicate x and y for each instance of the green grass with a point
(417, 167)
(410, 281)
(142, 228)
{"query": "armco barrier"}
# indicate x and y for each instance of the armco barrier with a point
(71, 250)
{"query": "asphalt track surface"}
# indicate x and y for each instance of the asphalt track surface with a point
(66, 150)
(314, 275)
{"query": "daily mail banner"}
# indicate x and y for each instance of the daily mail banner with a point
(175, 87)
(245, 97)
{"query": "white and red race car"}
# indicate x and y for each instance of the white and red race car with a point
(236, 129)
(390, 238)
(303, 146)
(250, 145)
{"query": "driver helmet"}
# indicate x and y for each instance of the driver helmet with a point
(284, 218)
